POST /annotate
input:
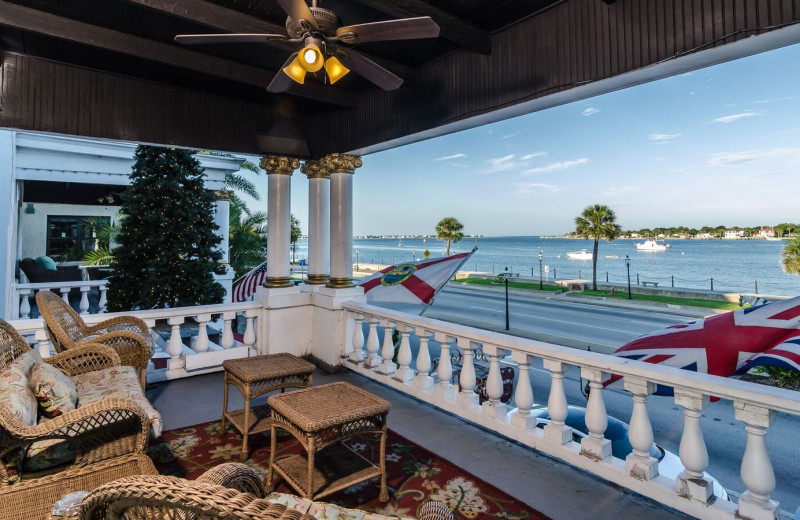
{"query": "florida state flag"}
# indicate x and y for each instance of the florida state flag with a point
(725, 344)
(411, 287)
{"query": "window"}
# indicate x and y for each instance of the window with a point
(69, 237)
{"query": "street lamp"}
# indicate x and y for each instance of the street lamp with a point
(506, 276)
(540, 270)
(628, 265)
(356, 259)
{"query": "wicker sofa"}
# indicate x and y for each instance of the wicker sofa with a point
(229, 491)
(102, 439)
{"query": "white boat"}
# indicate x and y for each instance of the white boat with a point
(652, 245)
(579, 255)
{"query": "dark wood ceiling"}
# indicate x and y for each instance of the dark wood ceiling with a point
(110, 68)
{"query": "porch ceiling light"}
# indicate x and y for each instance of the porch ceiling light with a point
(310, 58)
(296, 71)
(335, 69)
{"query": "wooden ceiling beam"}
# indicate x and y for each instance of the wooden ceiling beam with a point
(232, 21)
(48, 24)
(452, 28)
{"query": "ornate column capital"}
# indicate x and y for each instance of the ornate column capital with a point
(316, 169)
(342, 163)
(279, 164)
(222, 194)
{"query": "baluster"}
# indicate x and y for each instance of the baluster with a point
(347, 347)
(387, 367)
(691, 483)
(250, 329)
(64, 294)
(756, 472)
(493, 406)
(595, 445)
(175, 345)
(201, 344)
(557, 431)
(357, 355)
(466, 381)
(445, 389)
(25, 304)
(523, 394)
(423, 379)
(103, 303)
(84, 305)
(404, 372)
(227, 329)
(43, 344)
(639, 463)
(373, 360)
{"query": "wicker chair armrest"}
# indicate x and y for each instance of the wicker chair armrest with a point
(171, 494)
(131, 323)
(122, 339)
(235, 476)
(86, 357)
(87, 427)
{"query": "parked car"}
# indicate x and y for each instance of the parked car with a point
(669, 464)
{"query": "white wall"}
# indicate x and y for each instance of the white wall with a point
(8, 218)
(33, 226)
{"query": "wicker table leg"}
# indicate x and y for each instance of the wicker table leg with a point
(312, 448)
(384, 496)
(224, 405)
(243, 456)
(273, 447)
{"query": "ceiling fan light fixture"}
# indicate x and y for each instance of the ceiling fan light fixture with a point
(335, 69)
(310, 58)
(296, 71)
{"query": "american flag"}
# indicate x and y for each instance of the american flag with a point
(725, 344)
(410, 287)
(246, 287)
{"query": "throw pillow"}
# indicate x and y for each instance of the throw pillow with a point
(55, 392)
(46, 262)
(15, 392)
(12, 463)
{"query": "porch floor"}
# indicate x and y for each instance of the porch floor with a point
(551, 487)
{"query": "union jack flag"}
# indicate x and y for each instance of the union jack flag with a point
(411, 286)
(246, 287)
(725, 344)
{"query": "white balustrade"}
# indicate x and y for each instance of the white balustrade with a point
(640, 433)
(227, 329)
(445, 389)
(373, 360)
(84, 304)
(423, 379)
(250, 329)
(404, 372)
(467, 397)
(595, 446)
(493, 406)
(25, 291)
(557, 431)
(387, 367)
(692, 482)
(201, 345)
(757, 473)
(523, 394)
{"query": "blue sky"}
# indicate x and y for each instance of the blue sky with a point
(718, 146)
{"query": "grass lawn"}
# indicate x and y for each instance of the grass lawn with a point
(620, 295)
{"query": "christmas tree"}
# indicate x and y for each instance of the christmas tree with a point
(168, 248)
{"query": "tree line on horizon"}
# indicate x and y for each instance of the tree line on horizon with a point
(784, 229)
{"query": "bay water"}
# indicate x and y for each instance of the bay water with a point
(745, 266)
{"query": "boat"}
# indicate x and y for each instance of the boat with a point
(579, 255)
(652, 245)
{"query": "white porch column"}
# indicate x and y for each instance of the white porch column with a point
(341, 167)
(222, 209)
(279, 170)
(319, 221)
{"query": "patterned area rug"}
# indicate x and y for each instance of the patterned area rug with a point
(415, 475)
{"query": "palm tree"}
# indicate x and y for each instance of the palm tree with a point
(597, 221)
(247, 239)
(449, 228)
(294, 233)
(790, 257)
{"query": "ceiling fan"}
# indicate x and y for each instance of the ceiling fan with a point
(324, 42)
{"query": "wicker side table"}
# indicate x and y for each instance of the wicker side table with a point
(254, 377)
(321, 417)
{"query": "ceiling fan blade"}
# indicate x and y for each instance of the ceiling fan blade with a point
(403, 29)
(368, 69)
(229, 38)
(298, 10)
(281, 82)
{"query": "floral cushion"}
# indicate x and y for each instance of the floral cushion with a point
(119, 382)
(47, 453)
(15, 393)
(325, 510)
(54, 391)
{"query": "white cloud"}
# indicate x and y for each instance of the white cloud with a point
(621, 191)
(510, 162)
(590, 111)
(735, 117)
(451, 157)
(509, 136)
(748, 156)
(528, 188)
(663, 137)
(556, 167)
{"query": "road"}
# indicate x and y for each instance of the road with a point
(605, 328)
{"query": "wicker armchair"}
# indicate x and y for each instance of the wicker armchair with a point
(128, 335)
(230, 491)
(109, 437)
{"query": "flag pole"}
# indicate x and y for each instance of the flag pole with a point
(464, 261)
